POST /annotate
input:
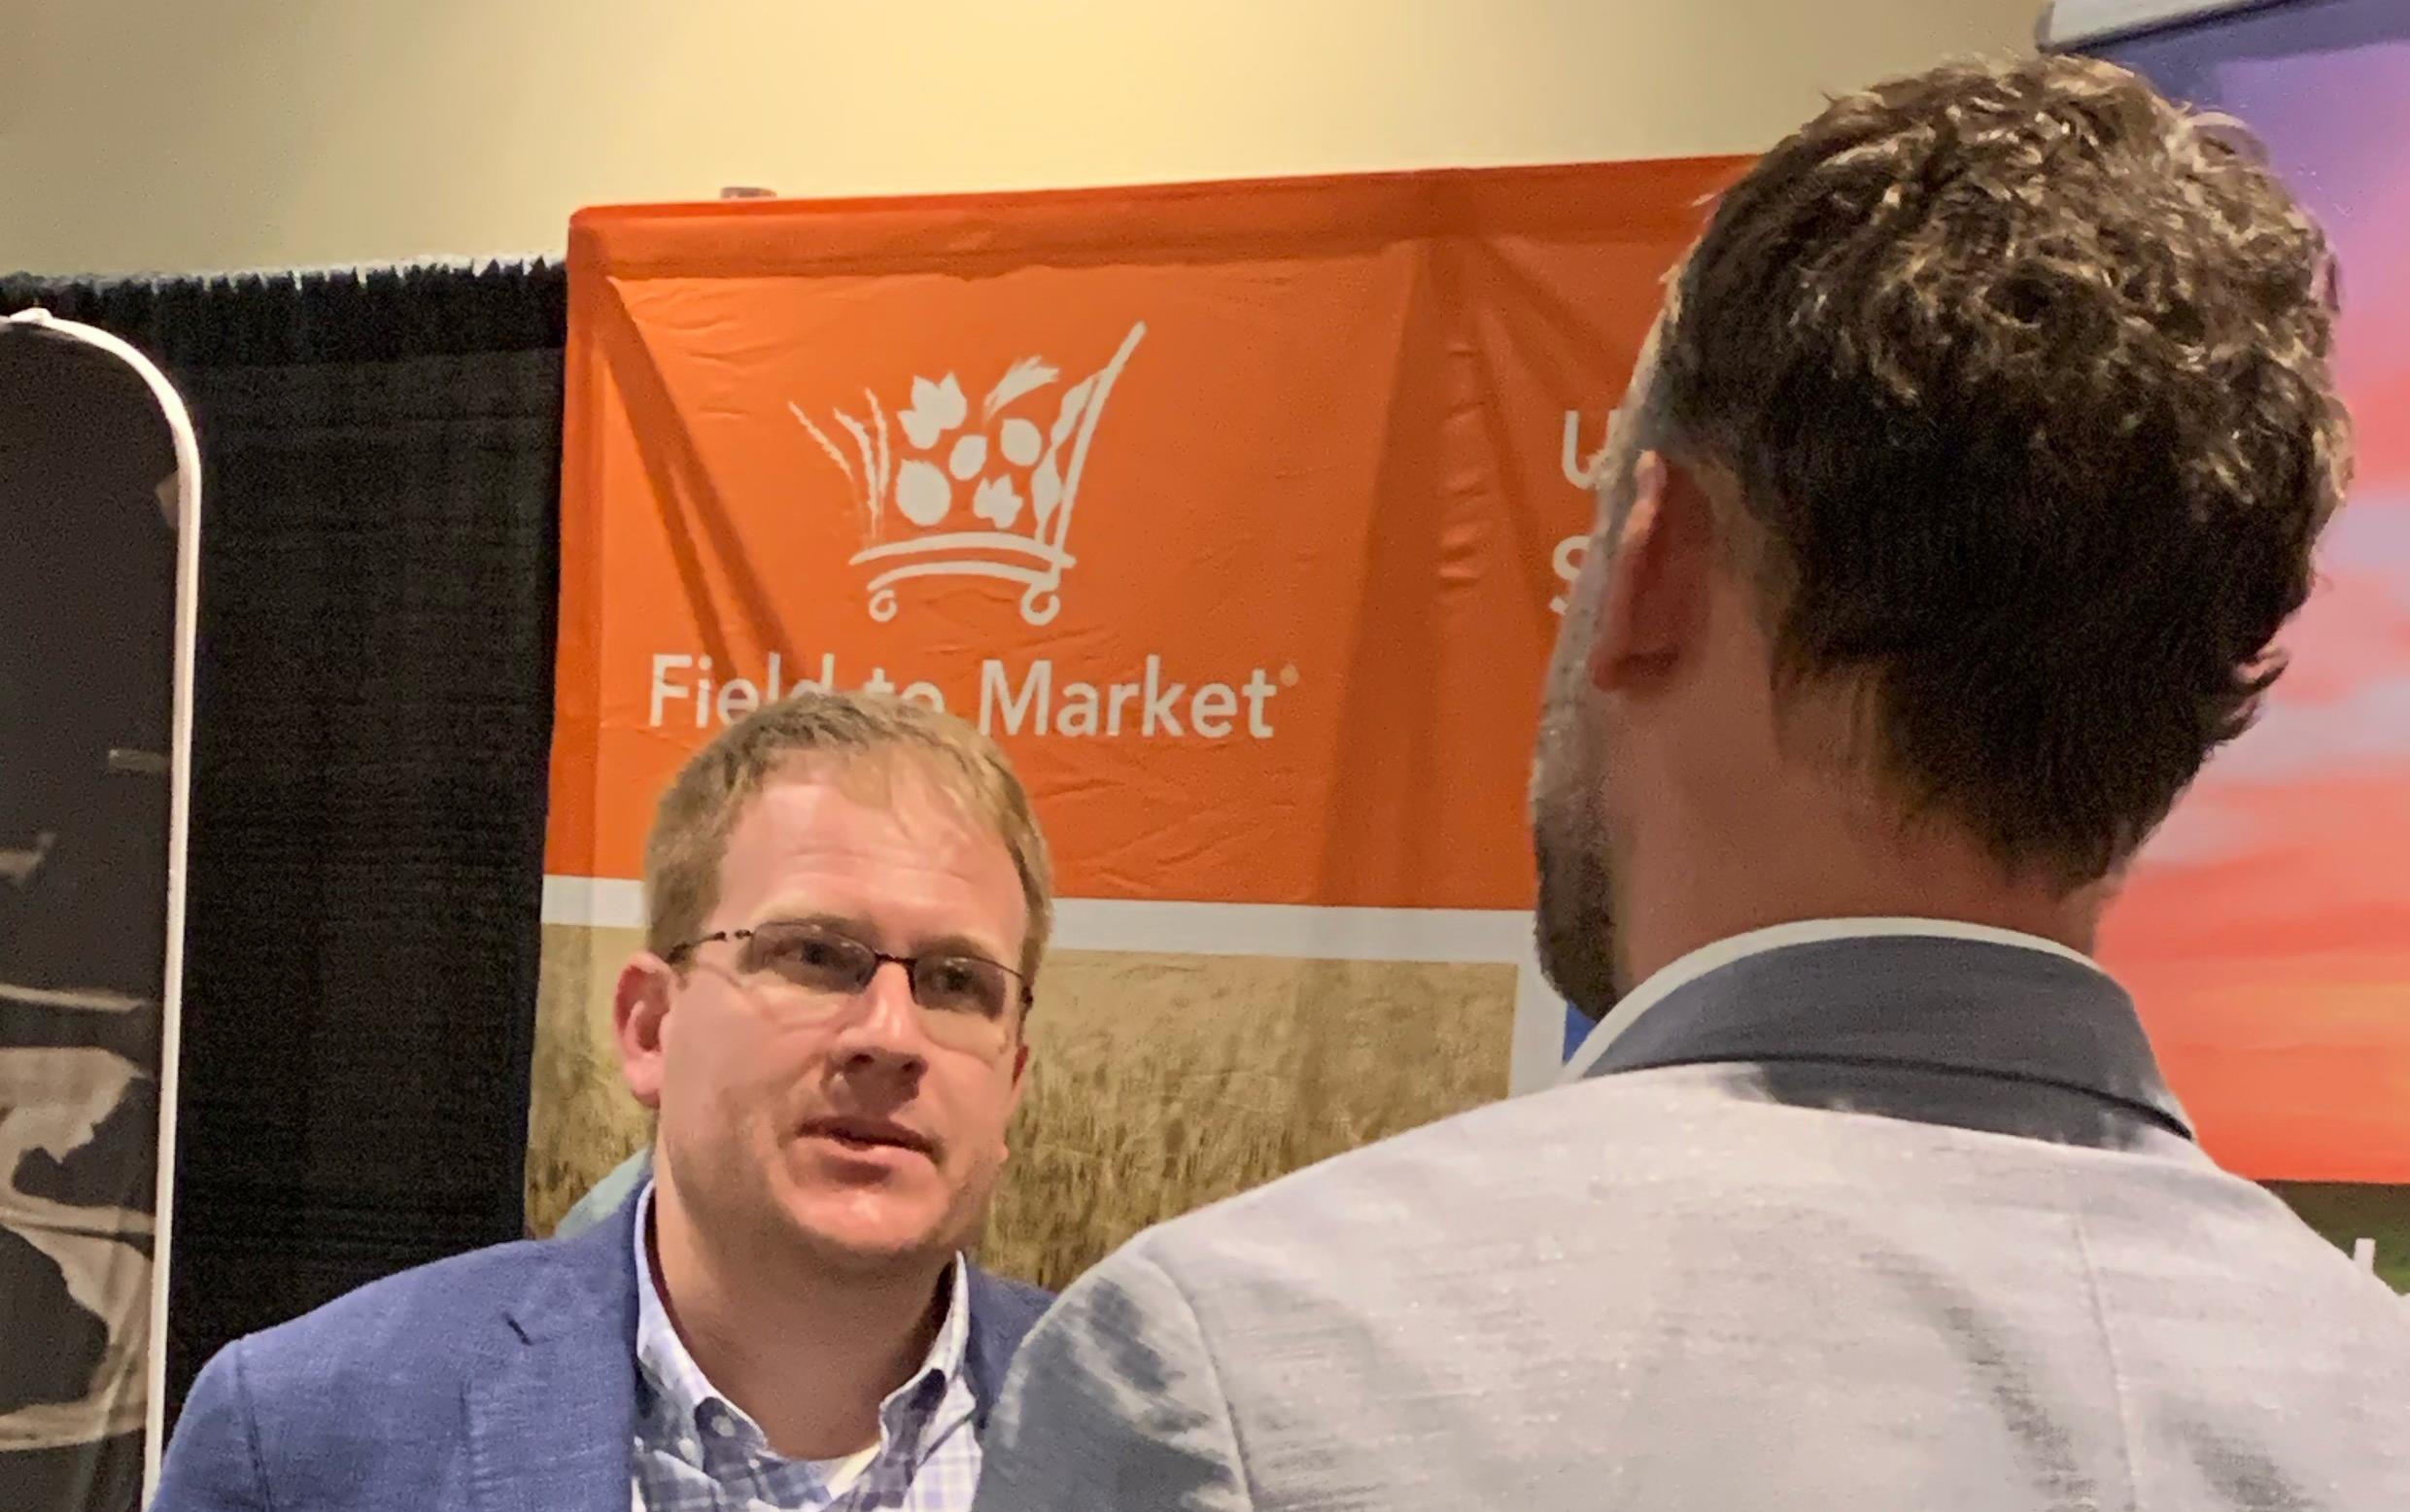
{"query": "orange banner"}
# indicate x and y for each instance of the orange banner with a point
(1236, 511)
(1240, 513)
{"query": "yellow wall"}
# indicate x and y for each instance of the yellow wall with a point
(142, 134)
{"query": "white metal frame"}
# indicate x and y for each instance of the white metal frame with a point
(2068, 24)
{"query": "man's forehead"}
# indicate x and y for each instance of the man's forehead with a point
(891, 838)
(891, 791)
(868, 828)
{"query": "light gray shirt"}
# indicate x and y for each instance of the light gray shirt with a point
(1850, 1222)
(695, 1451)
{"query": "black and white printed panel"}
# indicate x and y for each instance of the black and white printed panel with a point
(99, 506)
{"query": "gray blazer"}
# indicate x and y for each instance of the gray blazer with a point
(1874, 1224)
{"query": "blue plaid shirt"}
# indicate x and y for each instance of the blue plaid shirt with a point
(698, 1452)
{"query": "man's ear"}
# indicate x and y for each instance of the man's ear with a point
(1660, 580)
(640, 1017)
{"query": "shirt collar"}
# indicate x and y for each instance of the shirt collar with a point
(697, 1407)
(1934, 993)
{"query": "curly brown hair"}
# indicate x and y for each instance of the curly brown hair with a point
(2023, 374)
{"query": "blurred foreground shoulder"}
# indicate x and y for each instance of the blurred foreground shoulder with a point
(1123, 1396)
(1114, 1402)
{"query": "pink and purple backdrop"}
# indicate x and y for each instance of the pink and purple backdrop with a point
(2267, 934)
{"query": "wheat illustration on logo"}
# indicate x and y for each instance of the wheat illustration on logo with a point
(1021, 482)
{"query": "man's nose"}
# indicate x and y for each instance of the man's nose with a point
(885, 1023)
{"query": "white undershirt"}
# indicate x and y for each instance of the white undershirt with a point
(1663, 984)
(840, 1474)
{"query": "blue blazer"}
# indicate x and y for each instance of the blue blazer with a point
(503, 1381)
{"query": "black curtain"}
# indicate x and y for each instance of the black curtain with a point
(373, 718)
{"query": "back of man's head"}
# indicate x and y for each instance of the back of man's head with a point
(2021, 374)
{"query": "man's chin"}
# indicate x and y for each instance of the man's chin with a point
(1586, 985)
(1577, 956)
(866, 1233)
(879, 1205)
(1574, 919)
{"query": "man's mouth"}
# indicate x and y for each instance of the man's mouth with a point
(867, 1134)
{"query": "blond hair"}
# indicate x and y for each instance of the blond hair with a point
(861, 735)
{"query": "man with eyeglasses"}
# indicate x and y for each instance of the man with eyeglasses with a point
(847, 898)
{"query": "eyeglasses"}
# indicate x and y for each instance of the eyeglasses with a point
(966, 1001)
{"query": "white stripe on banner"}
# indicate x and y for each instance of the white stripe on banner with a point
(1500, 936)
(595, 901)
